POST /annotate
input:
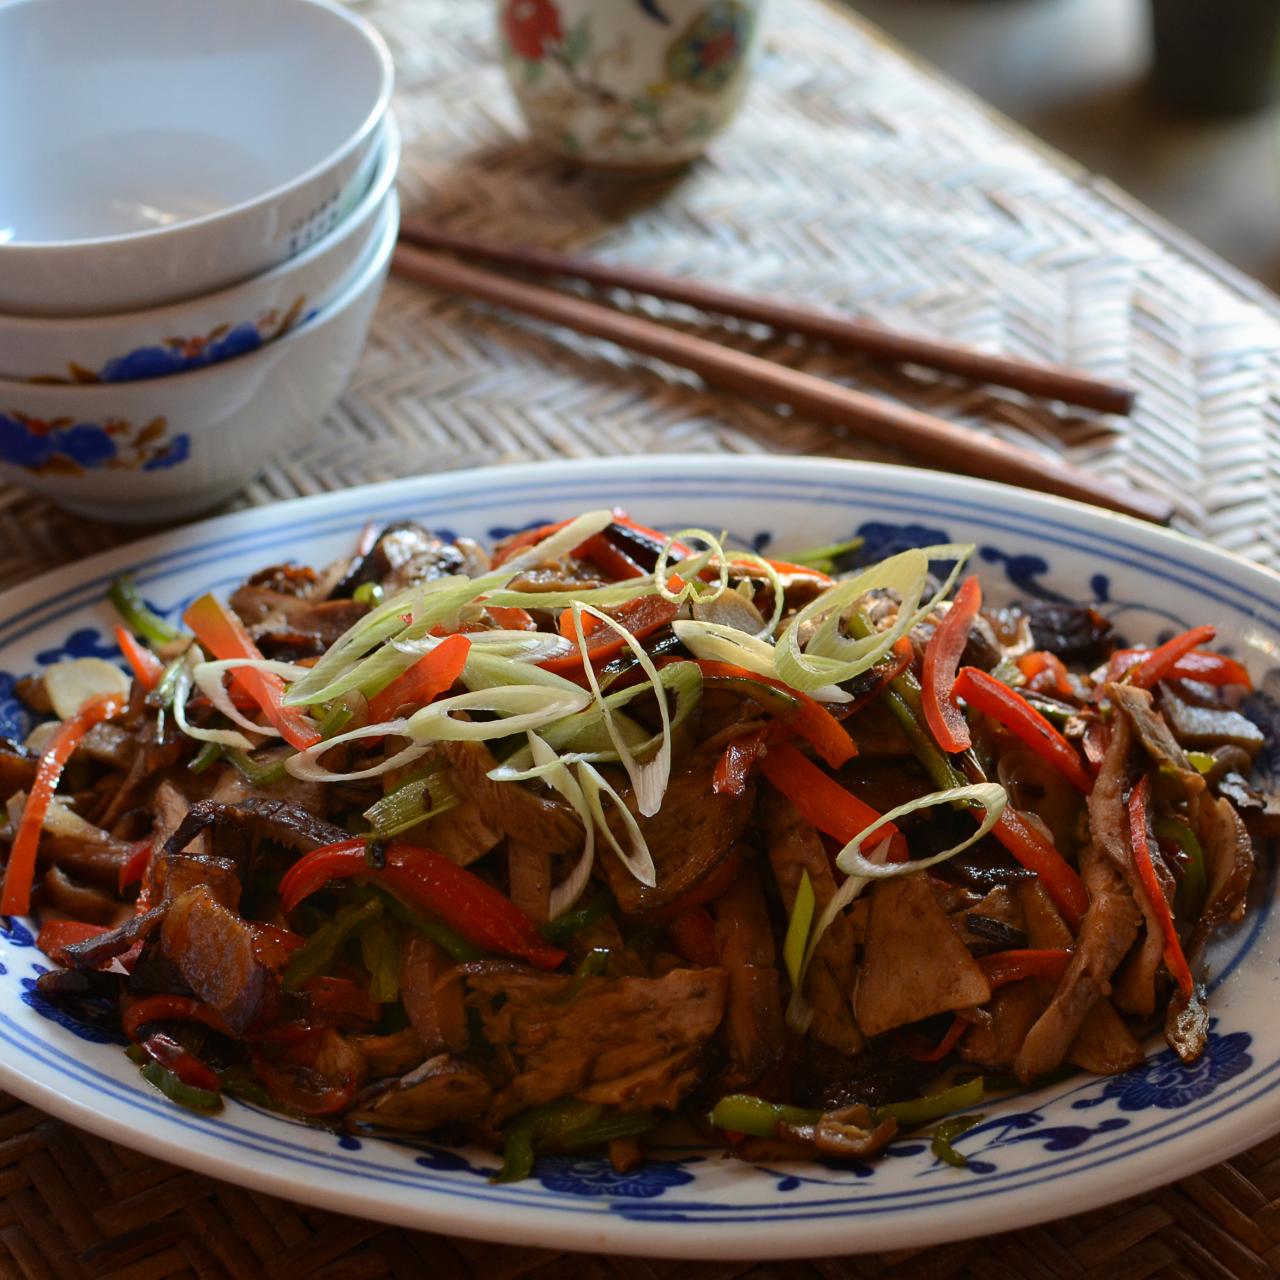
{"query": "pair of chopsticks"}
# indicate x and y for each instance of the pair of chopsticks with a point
(933, 440)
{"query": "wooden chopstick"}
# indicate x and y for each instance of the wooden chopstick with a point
(1050, 381)
(942, 444)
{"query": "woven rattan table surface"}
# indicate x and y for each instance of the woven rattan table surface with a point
(854, 179)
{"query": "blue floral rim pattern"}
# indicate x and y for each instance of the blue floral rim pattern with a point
(1085, 1125)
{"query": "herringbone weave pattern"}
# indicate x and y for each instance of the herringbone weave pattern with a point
(855, 180)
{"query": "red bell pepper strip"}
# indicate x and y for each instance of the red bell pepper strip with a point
(169, 1009)
(922, 1053)
(819, 798)
(734, 766)
(1140, 836)
(182, 1062)
(511, 618)
(15, 899)
(1046, 673)
(941, 661)
(224, 636)
(1160, 662)
(56, 935)
(427, 881)
(1030, 849)
(1209, 668)
(694, 936)
(1004, 967)
(135, 866)
(426, 680)
(983, 692)
(810, 719)
(642, 617)
(283, 1085)
(340, 998)
(612, 561)
(144, 664)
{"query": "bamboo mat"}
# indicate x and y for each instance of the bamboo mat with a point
(854, 179)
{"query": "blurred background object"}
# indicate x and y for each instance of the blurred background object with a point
(1189, 133)
(632, 85)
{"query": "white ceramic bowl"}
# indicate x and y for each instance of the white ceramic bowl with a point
(152, 150)
(208, 329)
(167, 448)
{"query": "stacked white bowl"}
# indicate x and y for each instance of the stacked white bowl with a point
(197, 214)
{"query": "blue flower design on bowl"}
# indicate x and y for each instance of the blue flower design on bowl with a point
(178, 355)
(182, 354)
(1170, 1084)
(67, 447)
(595, 1177)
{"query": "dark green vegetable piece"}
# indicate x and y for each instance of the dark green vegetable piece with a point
(932, 1106)
(562, 928)
(743, 1113)
(946, 1133)
(457, 946)
(136, 615)
(318, 952)
(185, 1095)
(552, 1124)
(381, 956)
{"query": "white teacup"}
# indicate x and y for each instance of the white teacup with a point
(627, 84)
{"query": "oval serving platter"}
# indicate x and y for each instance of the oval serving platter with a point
(1035, 1155)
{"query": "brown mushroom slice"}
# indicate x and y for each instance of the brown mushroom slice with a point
(913, 964)
(1109, 928)
(689, 837)
(440, 1091)
(216, 953)
(435, 1009)
(391, 1055)
(795, 849)
(175, 873)
(994, 1043)
(1104, 1044)
(753, 1027)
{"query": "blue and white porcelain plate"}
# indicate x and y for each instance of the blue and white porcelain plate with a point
(1036, 1155)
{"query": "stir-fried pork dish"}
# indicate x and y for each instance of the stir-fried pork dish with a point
(542, 847)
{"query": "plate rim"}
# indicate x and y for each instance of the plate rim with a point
(776, 1238)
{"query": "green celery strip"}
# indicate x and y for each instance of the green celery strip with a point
(946, 1133)
(743, 1113)
(932, 1106)
(337, 719)
(319, 950)
(549, 1124)
(176, 1090)
(1194, 888)
(208, 755)
(381, 957)
(824, 558)
(259, 773)
(129, 604)
(793, 948)
(427, 794)
(561, 929)
(458, 947)
(606, 1129)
